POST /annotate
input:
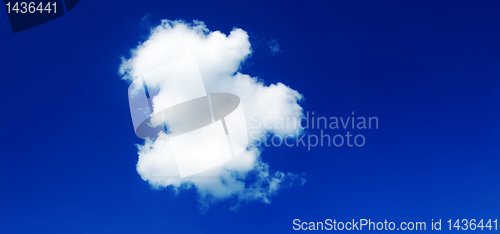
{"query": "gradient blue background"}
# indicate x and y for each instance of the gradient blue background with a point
(428, 70)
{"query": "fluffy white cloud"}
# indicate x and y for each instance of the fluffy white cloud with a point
(219, 57)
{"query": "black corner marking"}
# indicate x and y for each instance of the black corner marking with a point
(26, 14)
(70, 4)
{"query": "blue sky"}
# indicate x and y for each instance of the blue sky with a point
(428, 70)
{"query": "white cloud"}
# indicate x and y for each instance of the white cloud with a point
(219, 57)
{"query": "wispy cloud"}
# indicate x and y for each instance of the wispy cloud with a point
(274, 46)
